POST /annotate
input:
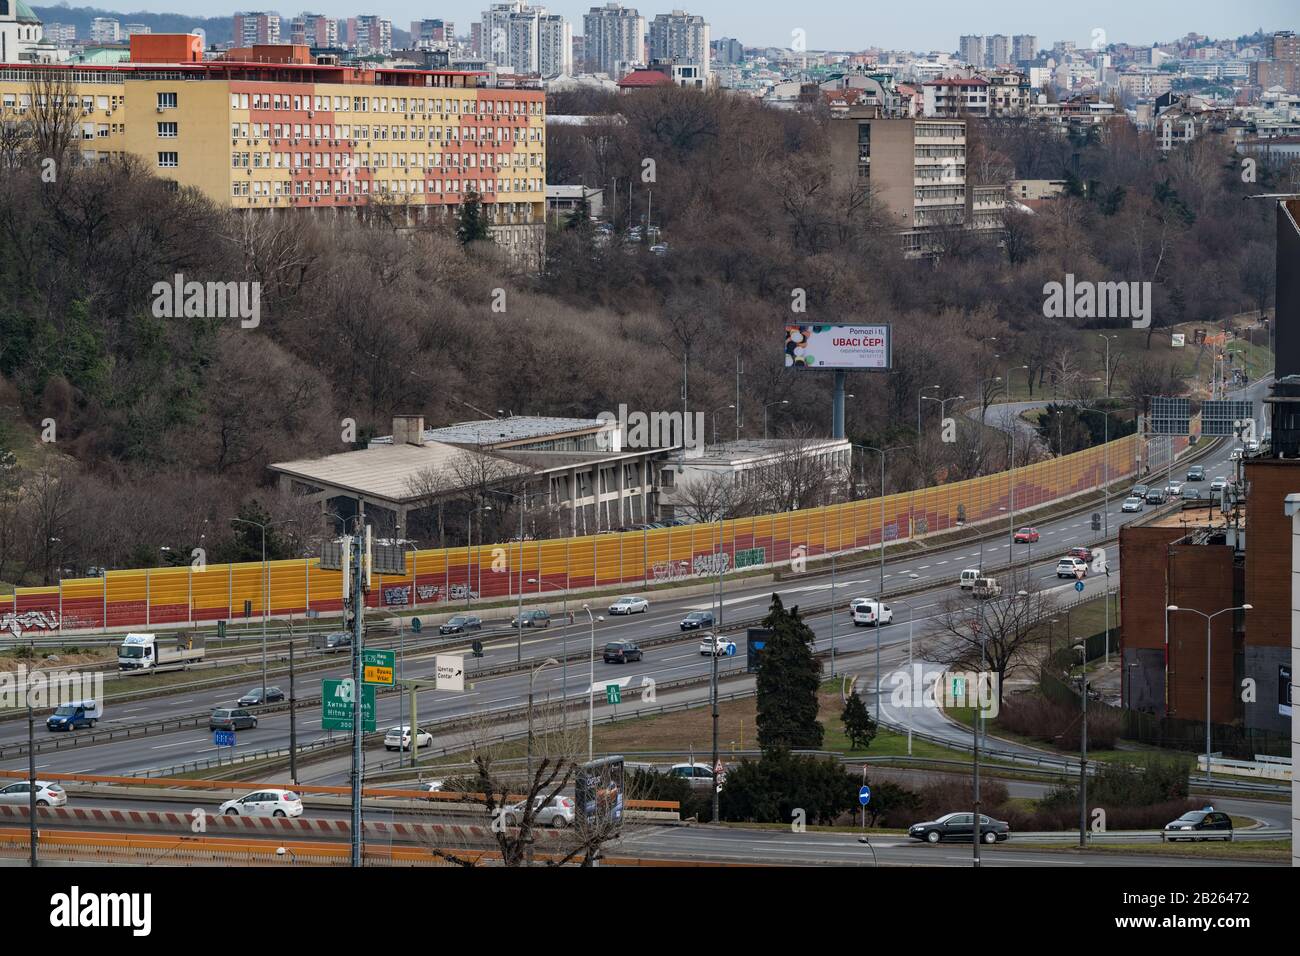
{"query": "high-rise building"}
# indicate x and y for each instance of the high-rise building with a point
(61, 34)
(256, 28)
(680, 37)
(1024, 48)
(554, 45)
(971, 50)
(372, 35)
(314, 29)
(527, 39)
(430, 33)
(105, 30)
(728, 51)
(997, 51)
(615, 39)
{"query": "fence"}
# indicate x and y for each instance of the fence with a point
(443, 578)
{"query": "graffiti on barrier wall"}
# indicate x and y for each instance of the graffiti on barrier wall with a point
(662, 571)
(15, 622)
(706, 564)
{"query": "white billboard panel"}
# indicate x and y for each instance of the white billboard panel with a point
(837, 346)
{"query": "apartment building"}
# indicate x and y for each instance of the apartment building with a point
(1009, 92)
(971, 50)
(372, 35)
(105, 30)
(956, 96)
(429, 33)
(307, 136)
(1144, 84)
(526, 39)
(314, 30)
(61, 34)
(681, 37)
(1024, 49)
(615, 39)
(252, 29)
(997, 51)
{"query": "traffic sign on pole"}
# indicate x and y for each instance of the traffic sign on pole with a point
(377, 666)
(613, 694)
(451, 672)
(1078, 586)
(223, 738)
(337, 700)
(864, 795)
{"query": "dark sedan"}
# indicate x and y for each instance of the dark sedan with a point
(1207, 824)
(621, 652)
(960, 826)
(460, 624)
(696, 620)
(254, 697)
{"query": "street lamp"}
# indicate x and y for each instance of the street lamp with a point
(911, 619)
(531, 679)
(519, 617)
(266, 588)
(715, 419)
(564, 647)
(591, 691)
(943, 406)
(784, 401)
(919, 396)
(880, 591)
(1209, 618)
(1106, 339)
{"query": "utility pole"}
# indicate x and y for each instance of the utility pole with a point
(717, 628)
(1083, 755)
(293, 723)
(360, 555)
(31, 775)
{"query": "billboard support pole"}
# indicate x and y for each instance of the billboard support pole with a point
(837, 406)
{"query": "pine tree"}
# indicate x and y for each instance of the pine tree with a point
(858, 725)
(473, 224)
(788, 677)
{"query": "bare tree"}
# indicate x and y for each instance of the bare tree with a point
(712, 498)
(796, 478)
(54, 116)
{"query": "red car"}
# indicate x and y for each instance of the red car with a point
(1083, 554)
(1025, 536)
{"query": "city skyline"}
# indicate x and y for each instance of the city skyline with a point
(764, 23)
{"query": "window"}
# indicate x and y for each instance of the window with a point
(168, 160)
(167, 130)
(167, 101)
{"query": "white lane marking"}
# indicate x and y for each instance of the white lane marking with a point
(183, 743)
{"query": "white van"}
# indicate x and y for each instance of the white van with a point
(968, 579)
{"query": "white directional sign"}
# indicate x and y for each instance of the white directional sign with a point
(451, 672)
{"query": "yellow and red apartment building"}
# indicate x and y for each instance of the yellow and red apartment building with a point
(306, 135)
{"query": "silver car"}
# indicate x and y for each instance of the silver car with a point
(629, 605)
(1131, 504)
(556, 812)
(47, 794)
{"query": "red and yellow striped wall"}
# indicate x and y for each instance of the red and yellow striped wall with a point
(172, 596)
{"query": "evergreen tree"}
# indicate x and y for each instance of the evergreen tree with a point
(580, 218)
(858, 725)
(788, 676)
(473, 223)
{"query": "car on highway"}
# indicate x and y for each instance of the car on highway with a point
(1155, 496)
(1174, 489)
(872, 614)
(436, 786)
(1025, 536)
(1192, 494)
(75, 714)
(231, 718)
(1139, 491)
(254, 697)
(1083, 554)
(717, 646)
(1218, 484)
(460, 624)
(1206, 824)
(698, 775)
(264, 803)
(1131, 504)
(621, 652)
(967, 580)
(1252, 445)
(696, 620)
(1071, 568)
(629, 605)
(960, 826)
(399, 738)
(556, 812)
(537, 618)
(1196, 473)
(47, 794)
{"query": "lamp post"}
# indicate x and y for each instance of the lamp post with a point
(715, 419)
(519, 616)
(564, 648)
(911, 619)
(784, 401)
(919, 396)
(531, 679)
(1106, 339)
(880, 590)
(266, 588)
(591, 691)
(1209, 618)
(943, 405)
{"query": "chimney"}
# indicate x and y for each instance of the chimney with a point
(408, 430)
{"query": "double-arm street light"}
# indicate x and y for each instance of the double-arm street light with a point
(919, 396)
(266, 586)
(943, 407)
(532, 678)
(519, 616)
(1106, 339)
(1209, 618)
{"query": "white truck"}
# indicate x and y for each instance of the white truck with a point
(154, 652)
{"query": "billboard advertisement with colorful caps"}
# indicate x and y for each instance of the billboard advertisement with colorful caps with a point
(837, 346)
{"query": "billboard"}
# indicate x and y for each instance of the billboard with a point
(598, 791)
(838, 346)
(1285, 702)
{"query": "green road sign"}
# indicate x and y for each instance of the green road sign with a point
(613, 694)
(958, 687)
(377, 666)
(337, 701)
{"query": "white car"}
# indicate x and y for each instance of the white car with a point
(1131, 504)
(399, 738)
(1236, 454)
(264, 803)
(1071, 568)
(1218, 484)
(47, 794)
(870, 613)
(629, 605)
(557, 813)
(1174, 489)
(698, 775)
(717, 646)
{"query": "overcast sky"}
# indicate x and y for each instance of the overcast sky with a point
(845, 24)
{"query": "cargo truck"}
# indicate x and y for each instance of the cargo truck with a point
(154, 652)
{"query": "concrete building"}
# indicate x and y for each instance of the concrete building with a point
(615, 39)
(372, 35)
(315, 30)
(426, 34)
(252, 29)
(956, 96)
(997, 51)
(105, 30)
(1024, 49)
(971, 50)
(562, 201)
(1009, 92)
(681, 37)
(21, 33)
(729, 51)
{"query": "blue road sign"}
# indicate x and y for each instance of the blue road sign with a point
(1078, 585)
(223, 738)
(731, 650)
(864, 795)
